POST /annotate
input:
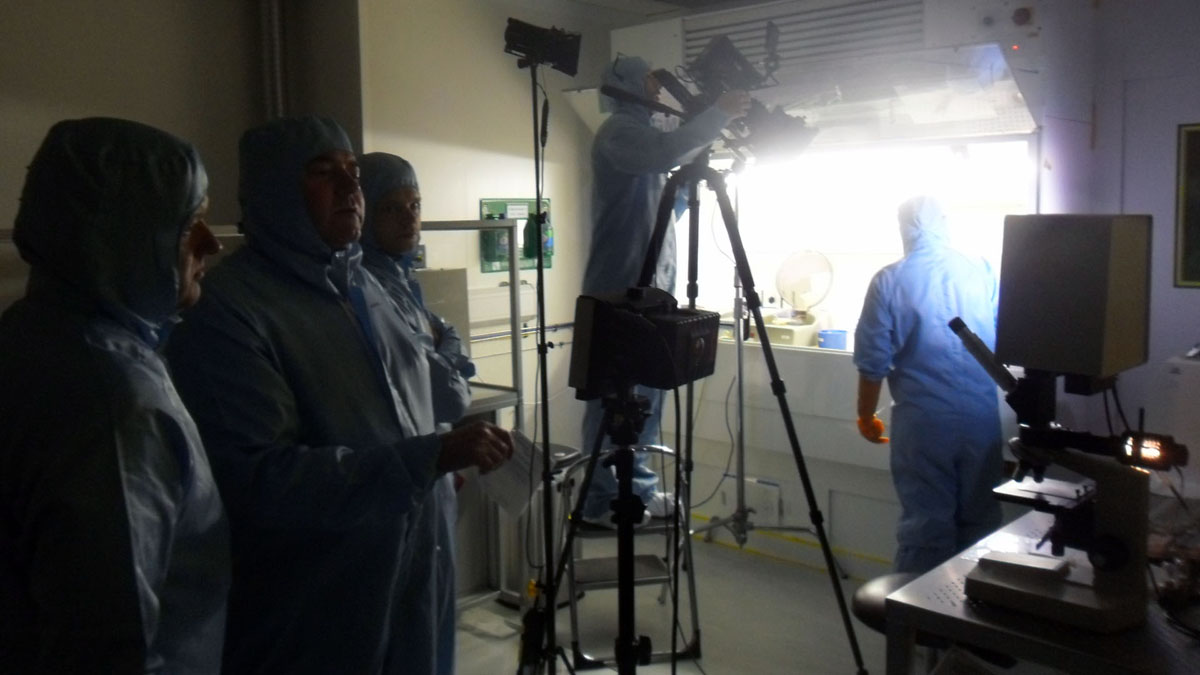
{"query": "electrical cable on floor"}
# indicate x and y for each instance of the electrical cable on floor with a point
(1107, 413)
(682, 635)
(732, 447)
(673, 543)
(1173, 618)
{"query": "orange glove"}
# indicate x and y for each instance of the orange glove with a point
(872, 429)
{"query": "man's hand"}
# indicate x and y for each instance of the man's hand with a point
(480, 444)
(872, 429)
(735, 103)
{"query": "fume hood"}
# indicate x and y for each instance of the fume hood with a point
(873, 71)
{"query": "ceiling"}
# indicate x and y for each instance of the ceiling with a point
(664, 8)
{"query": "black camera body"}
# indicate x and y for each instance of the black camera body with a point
(721, 68)
(639, 336)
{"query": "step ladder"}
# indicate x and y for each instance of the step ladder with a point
(600, 572)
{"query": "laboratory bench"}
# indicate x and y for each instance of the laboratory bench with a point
(936, 604)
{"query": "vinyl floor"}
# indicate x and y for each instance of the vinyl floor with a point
(756, 615)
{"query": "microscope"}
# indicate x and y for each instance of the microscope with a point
(1074, 300)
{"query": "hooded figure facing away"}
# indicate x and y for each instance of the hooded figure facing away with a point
(114, 548)
(630, 159)
(946, 436)
(314, 400)
(391, 231)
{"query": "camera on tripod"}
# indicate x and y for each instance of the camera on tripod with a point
(641, 337)
(721, 68)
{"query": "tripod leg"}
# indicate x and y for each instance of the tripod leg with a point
(626, 645)
(565, 558)
(577, 511)
(717, 183)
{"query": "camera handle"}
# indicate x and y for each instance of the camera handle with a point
(692, 175)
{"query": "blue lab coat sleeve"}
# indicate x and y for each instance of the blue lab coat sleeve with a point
(632, 146)
(875, 335)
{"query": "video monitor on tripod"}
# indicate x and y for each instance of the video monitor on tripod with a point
(639, 337)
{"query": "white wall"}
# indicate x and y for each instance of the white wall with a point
(190, 68)
(1148, 83)
(1063, 73)
(1151, 84)
(439, 90)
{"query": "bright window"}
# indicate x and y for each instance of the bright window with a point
(842, 203)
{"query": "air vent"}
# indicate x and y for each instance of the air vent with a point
(812, 31)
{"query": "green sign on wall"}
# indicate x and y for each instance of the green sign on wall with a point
(493, 244)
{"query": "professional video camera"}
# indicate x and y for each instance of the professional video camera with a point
(640, 337)
(721, 68)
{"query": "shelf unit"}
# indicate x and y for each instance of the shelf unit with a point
(489, 398)
(480, 518)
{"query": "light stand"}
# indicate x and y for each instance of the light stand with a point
(739, 523)
(538, 645)
(692, 175)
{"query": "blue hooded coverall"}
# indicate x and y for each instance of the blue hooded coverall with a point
(946, 438)
(449, 366)
(314, 402)
(630, 159)
(114, 548)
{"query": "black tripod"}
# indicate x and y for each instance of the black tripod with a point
(692, 175)
(625, 415)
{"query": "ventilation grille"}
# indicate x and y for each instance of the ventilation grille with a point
(812, 31)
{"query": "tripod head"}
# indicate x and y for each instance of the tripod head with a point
(627, 413)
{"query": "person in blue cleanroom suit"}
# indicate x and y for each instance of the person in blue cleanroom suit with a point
(630, 159)
(114, 547)
(314, 400)
(391, 231)
(946, 436)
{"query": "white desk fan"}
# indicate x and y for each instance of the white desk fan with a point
(803, 281)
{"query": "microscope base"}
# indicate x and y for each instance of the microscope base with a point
(1073, 600)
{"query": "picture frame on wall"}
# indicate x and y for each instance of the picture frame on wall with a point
(1187, 208)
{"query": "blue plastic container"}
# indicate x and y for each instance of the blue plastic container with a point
(831, 339)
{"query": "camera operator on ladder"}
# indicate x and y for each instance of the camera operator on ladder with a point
(630, 159)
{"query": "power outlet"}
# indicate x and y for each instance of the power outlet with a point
(764, 497)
